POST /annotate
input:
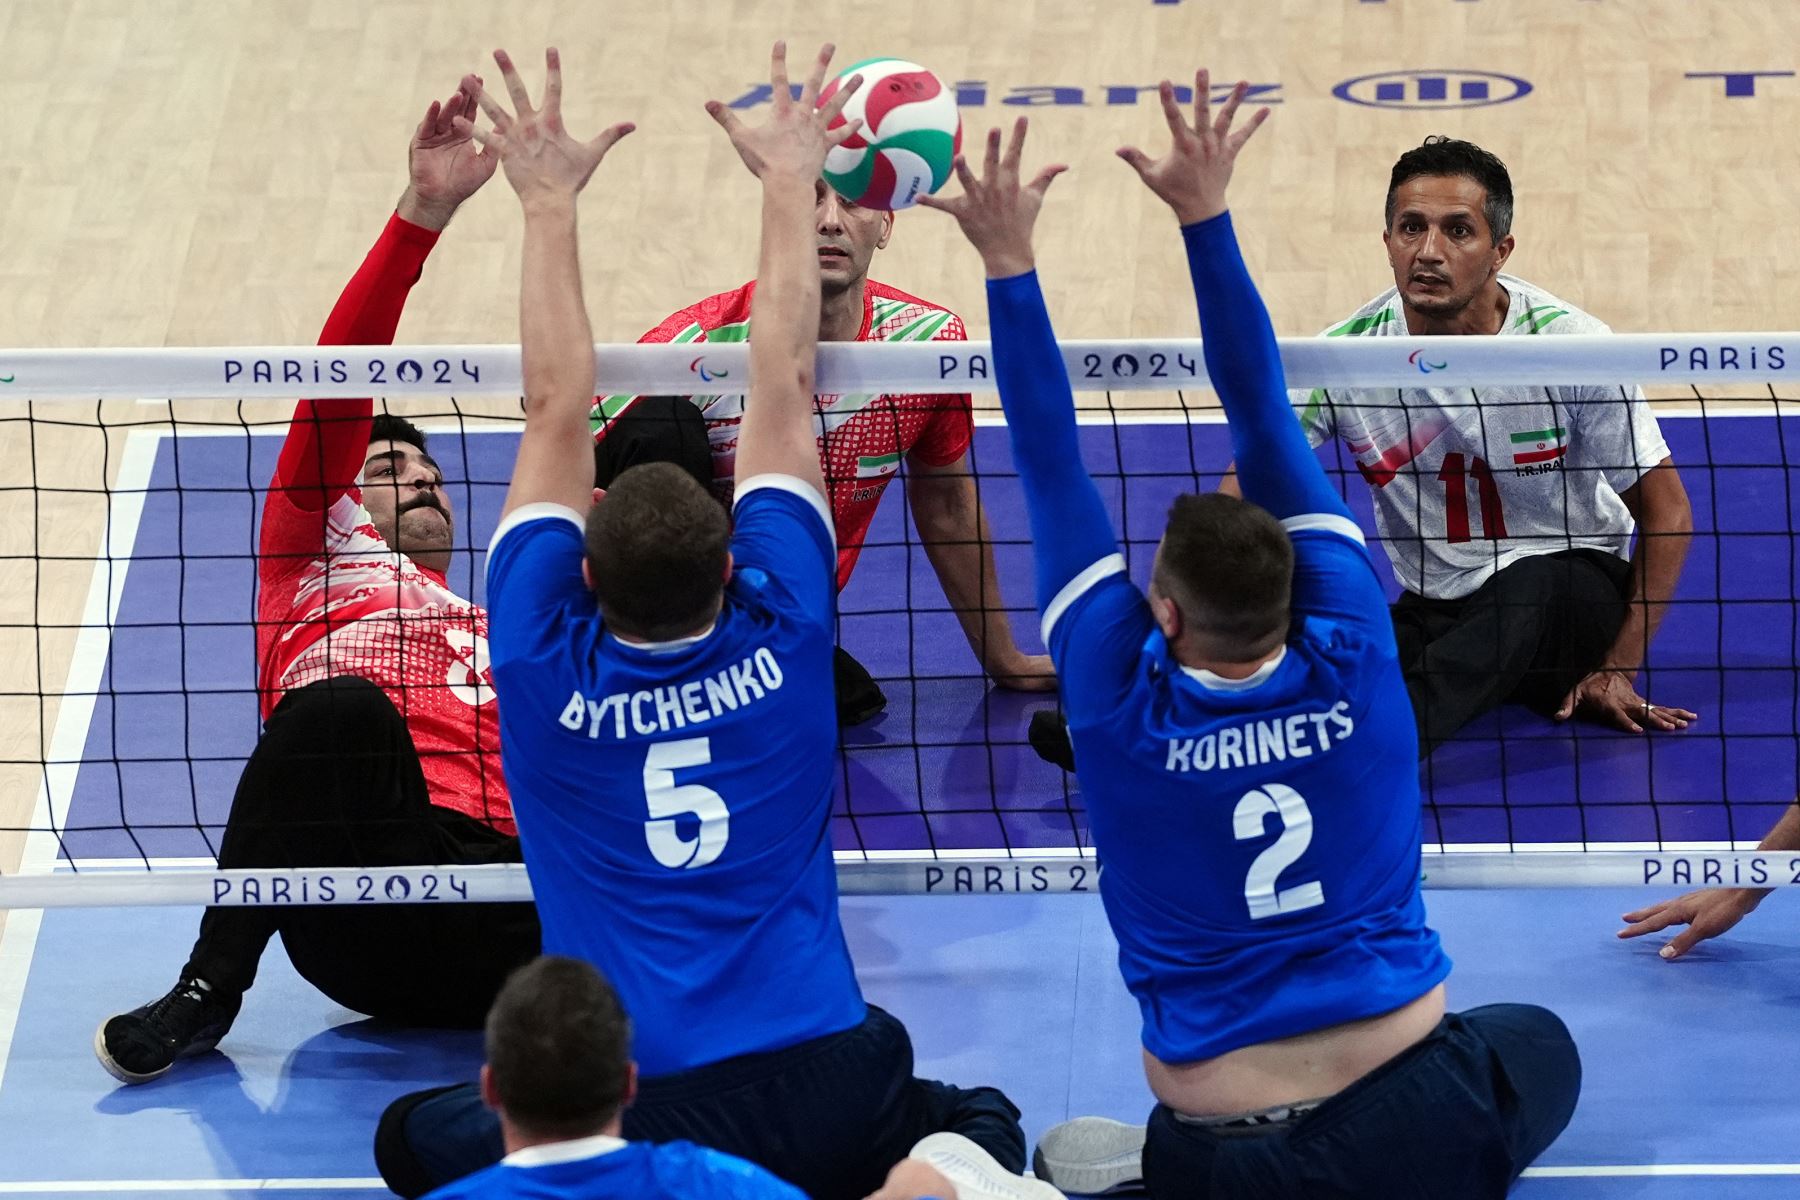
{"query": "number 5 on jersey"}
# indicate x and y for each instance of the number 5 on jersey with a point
(668, 800)
(1276, 800)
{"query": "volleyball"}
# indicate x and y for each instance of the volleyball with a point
(911, 133)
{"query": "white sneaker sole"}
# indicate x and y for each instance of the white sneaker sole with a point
(1091, 1155)
(975, 1173)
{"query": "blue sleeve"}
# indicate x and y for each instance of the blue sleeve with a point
(782, 530)
(1277, 469)
(533, 574)
(1094, 620)
(1275, 465)
(1070, 530)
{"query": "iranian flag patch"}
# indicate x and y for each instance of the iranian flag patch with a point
(1539, 445)
(874, 466)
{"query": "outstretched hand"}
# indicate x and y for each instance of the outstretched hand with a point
(792, 144)
(444, 164)
(1706, 914)
(540, 158)
(1607, 697)
(997, 213)
(1191, 178)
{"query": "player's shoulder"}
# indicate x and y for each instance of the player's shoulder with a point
(490, 1181)
(713, 319)
(897, 316)
(689, 1170)
(1535, 310)
(1379, 317)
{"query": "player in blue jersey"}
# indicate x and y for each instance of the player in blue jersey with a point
(666, 676)
(558, 1078)
(1248, 759)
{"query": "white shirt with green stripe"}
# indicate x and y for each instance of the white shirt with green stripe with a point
(1468, 481)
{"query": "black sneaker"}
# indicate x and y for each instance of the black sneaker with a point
(1049, 736)
(140, 1045)
(859, 697)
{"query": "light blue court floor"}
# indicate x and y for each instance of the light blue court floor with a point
(1688, 1065)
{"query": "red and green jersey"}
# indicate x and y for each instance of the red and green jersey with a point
(862, 436)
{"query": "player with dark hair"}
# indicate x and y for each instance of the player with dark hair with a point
(380, 744)
(1508, 512)
(559, 1077)
(672, 759)
(864, 438)
(1248, 761)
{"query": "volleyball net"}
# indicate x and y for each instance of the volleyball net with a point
(131, 486)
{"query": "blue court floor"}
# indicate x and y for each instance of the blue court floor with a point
(1685, 1062)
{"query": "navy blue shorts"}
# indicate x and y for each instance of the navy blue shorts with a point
(1458, 1115)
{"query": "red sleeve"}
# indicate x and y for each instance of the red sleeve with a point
(328, 441)
(947, 434)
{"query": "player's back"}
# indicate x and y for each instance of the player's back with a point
(674, 799)
(604, 1168)
(1260, 838)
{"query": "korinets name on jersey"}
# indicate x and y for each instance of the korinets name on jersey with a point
(1257, 743)
(676, 706)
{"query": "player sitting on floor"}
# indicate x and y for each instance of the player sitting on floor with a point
(1508, 512)
(380, 744)
(666, 678)
(863, 439)
(559, 1077)
(1294, 1031)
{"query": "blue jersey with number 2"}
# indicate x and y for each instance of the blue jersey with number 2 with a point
(674, 800)
(1261, 836)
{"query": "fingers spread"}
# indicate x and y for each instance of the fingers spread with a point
(609, 138)
(1139, 161)
(495, 112)
(1243, 135)
(778, 77)
(844, 132)
(990, 162)
(1015, 146)
(1222, 125)
(724, 116)
(552, 80)
(1046, 177)
(841, 97)
(515, 86)
(815, 80)
(1172, 112)
(965, 176)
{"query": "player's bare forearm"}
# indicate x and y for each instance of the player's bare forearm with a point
(557, 339)
(777, 435)
(1665, 531)
(946, 507)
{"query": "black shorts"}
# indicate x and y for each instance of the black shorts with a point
(1456, 1117)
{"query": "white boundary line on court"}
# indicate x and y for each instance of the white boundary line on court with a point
(75, 712)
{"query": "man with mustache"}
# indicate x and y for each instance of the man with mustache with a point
(380, 743)
(863, 439)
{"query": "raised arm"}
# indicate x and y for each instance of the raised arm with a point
(787, 154)
(328, 441)
(1070, 530)
(548, 169)
(1275, 466)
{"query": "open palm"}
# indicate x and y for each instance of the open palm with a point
(534, 147)
(1191, 178)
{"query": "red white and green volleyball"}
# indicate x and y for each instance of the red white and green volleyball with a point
(911, 133)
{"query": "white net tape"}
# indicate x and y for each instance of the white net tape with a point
(911, 367)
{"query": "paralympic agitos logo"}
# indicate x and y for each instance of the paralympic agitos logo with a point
(1417, 358)
(708, 374)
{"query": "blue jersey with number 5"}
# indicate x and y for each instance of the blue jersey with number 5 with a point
(674, 799)
(1260, 837)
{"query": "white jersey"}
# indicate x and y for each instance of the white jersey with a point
(1469, 481)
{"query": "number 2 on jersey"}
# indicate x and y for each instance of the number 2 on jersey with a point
(1274, 799)
(668, 800)
(1456, 499)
